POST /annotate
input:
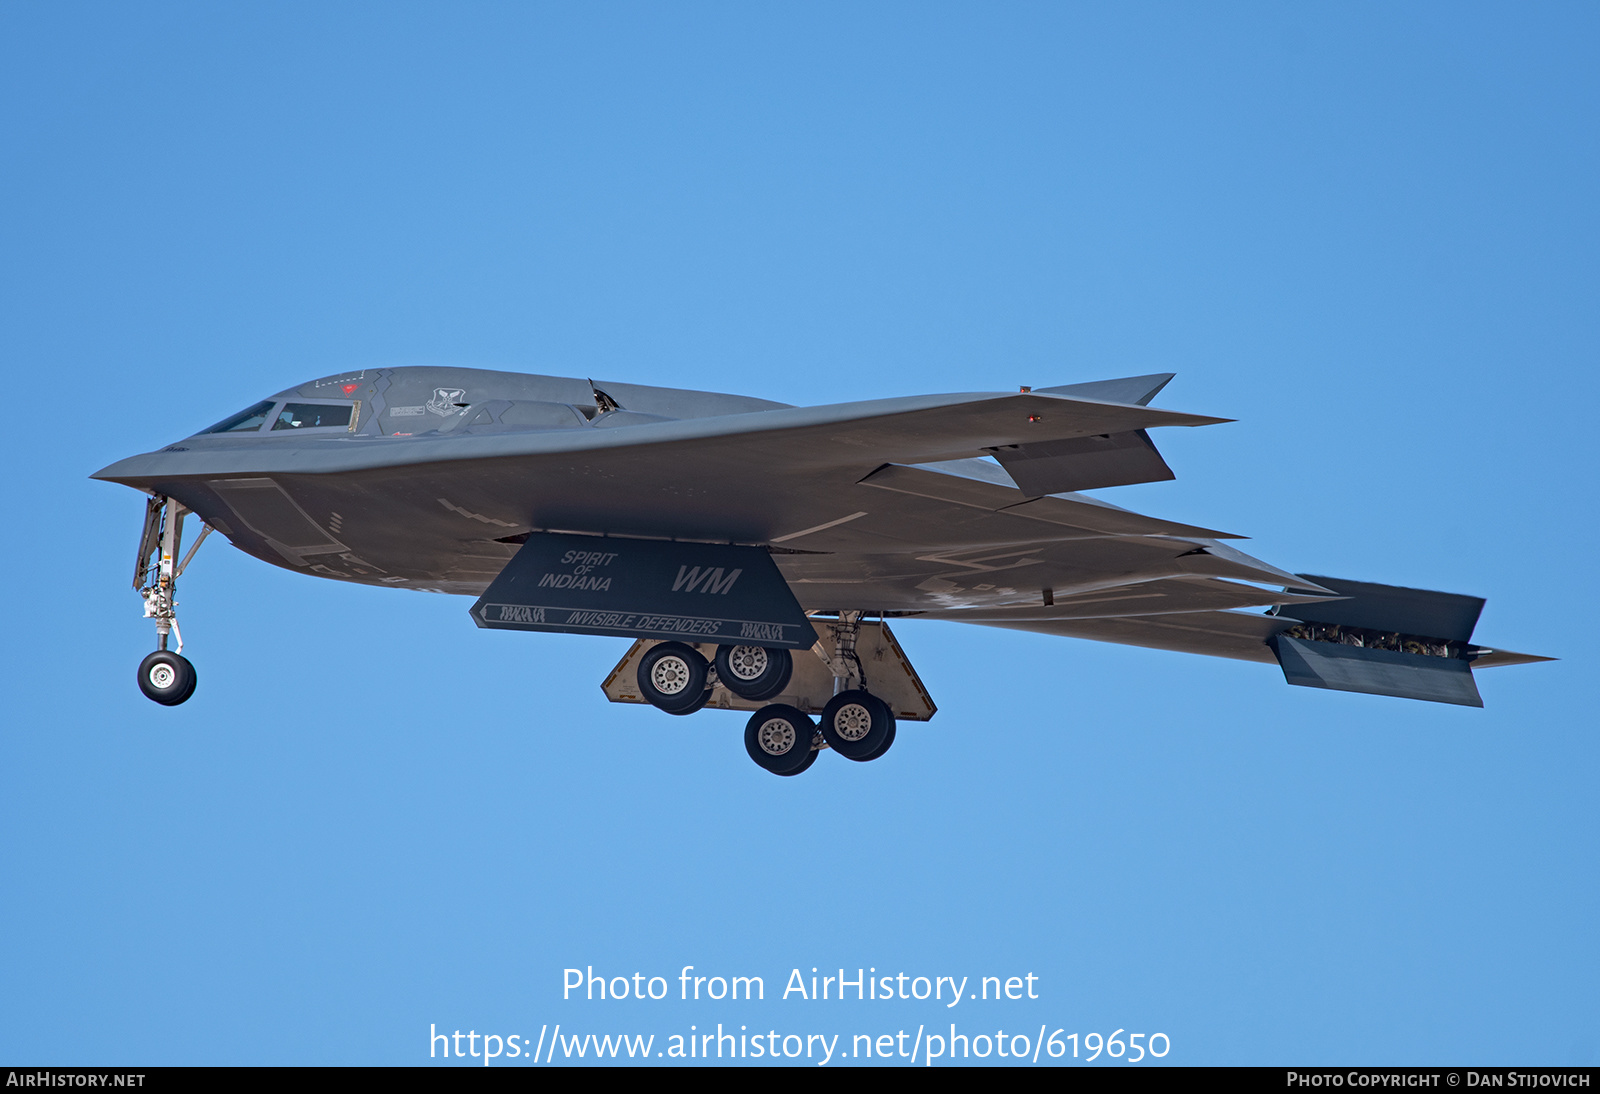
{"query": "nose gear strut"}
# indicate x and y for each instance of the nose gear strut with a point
(164, 676)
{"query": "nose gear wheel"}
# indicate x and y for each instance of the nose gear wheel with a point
(167, 678)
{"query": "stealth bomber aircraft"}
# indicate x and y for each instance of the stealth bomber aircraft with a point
(758, 552)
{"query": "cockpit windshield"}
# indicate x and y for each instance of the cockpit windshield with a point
(313, 416)
(308, 415)
(246, 421)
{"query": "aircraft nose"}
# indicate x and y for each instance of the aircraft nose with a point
(127, 471)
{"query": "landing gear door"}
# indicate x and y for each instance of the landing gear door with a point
(149, 540)
(636, 588)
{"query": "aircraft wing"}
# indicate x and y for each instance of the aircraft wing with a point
(1239, 635)
(831, 489)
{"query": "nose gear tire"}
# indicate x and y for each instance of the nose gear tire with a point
(167, 678)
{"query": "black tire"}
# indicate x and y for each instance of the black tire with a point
(888, 741)
(754, 672)
(810, 759)
(857, 725)
(778, 738)
(705, 697)
(166, 678)
(672, 677)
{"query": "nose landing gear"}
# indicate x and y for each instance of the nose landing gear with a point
(165, 676)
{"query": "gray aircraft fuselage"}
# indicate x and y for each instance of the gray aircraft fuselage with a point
(422, 525)
(965, 506)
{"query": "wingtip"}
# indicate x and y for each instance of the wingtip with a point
(1128, 390)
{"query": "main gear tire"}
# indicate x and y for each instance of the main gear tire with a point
(888, 741)
(672, 677)
(857, 725)
(755, 673)
(778, 738)
(809, 760)
(698, 704)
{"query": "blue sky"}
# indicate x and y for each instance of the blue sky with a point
(1366, 231)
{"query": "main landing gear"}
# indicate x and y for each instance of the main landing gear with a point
(165, 676)
(676, 678)
(856, 724)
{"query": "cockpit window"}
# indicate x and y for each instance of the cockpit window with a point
(312, 416)
(246, 421)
